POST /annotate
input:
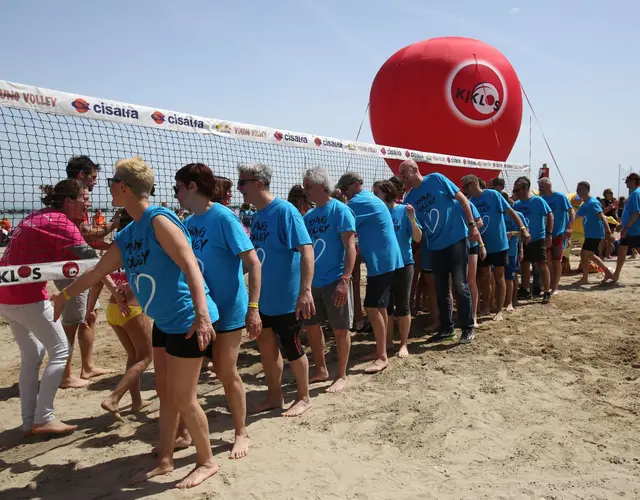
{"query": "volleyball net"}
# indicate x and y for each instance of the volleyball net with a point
(41, 129)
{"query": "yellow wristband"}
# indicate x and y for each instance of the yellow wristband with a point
(65, 294)
(481, 245)
(523, 227)
(253, 305)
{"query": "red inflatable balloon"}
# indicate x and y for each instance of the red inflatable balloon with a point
(454, 96)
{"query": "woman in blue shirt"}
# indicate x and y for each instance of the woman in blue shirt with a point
(596, 229)
(407, 229)
(155, 251)
(222, 247)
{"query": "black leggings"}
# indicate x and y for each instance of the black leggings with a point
(400, 292)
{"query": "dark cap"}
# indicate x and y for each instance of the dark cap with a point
(349, 178)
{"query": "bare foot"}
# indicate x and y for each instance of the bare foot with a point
(297, 408)
(94, 372)
(403, 352)
(498, 317)
(73, 383)
(27, 434)
(319, 375)
(475, 323)
(155, 414)
(141, 406)
(53, 428)
(338, 385)
(485, 311)
(582, 282)
(161, 470)
(198, 475)
(377, 366)
(368, 357)
(112, 408)
(555, 292)
(266, 405)
(181, 443)
(240, 447)
(510, 308)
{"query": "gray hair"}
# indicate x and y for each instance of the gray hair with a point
(320, 175)
(258, 171)
(544, 180)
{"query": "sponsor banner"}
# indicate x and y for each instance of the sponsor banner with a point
(35, 273)
(16, 95)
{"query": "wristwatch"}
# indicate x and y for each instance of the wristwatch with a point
(471, 224)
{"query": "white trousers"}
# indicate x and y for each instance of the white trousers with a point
(35, 332)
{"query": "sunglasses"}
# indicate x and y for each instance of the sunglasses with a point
(112, 180)
(242, 182)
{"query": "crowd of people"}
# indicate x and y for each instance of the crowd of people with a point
(178, 291)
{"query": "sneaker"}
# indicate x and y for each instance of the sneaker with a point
(536, 291)
(467, 336)
(546, 298)
(524, 294)
(439, 337)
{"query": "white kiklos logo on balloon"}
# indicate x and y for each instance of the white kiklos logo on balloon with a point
(262, 255)
(485, 223)
(431, 226)
(317, 243)
(153, 289)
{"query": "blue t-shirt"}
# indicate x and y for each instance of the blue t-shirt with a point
(593, 226)
(535, 210)
(276, 232)
(325, 226)
(376, 238)
(492, 207)
(217, 239)
(631, 207)
(403, 230)
(511, 226)
(437, 212)
(476, 216)
(560, 207)
(158, 283)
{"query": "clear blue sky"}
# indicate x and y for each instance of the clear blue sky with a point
(308, 66)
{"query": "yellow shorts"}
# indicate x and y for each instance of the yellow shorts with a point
(115, 318)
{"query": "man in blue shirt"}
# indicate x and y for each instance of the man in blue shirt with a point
(285, 251)
(445, 232)
(630, 235)
(492, 208)
(331, 226)
(596, 229)
(381, 253)
(539, 220)
(563, 216)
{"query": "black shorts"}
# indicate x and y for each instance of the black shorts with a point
(591, 244)
(496, 259)
(475, 250)
(379, 290)
(630, 241)
(287, 330)
(535, 252)
(401, 292)
(177, 345)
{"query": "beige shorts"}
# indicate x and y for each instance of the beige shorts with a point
(75, 309)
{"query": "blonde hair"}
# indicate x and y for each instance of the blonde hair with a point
(136, 174)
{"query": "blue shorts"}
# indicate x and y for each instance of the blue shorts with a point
(511, 269)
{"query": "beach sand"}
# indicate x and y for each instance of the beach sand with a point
(543, 405)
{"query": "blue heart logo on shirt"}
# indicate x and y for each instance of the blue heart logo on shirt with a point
(317, 243)
(261, 255)
(432, 227)
(485, 223)
(136, 284)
